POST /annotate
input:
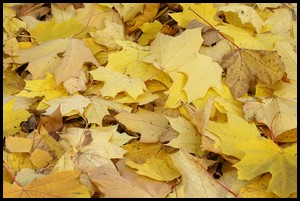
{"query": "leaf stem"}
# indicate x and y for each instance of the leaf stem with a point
(86, 23)
(233, 193)
(214, 28)
(11, 175)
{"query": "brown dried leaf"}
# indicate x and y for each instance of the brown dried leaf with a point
(245, 66)
(53, 122)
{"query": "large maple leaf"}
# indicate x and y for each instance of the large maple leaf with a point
(170, 53)
(59, 185)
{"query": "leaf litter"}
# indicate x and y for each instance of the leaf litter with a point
(156, 97)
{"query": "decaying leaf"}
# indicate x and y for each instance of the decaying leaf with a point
(245, 66)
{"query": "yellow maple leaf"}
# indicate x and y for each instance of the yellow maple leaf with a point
(156, 168)
(98, 108)
(138, 152)
(129, 61)
(247, 39)
(150, 125)
(59, 30)
(17, 161)
(188, 137)
(196, 181)
(97, 152)
(94, 14)
(150, 30)
(74, 57)
(60, 185)
(69, 105)
(129, 10)
(109, 181)
(241, 16)
(61, 14)
(45, 87)
(115, 82)
(205, 10)
(12, 118)
(148, 14)
(280, 162)
(289, 57)
(155, 188)
(18, 144)
(108, 36)
(279, 114)
(235, 131)
(176, 94)
(170, 53)
(201, 71)
(281, 22)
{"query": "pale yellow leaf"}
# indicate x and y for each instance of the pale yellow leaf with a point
(57, 185)
(149, 124)
(18, 144)
(12, 118)
(40, 158)
(115, 82)
(45, 87)
(170, 53)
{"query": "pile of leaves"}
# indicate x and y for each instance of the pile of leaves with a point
(149, 100)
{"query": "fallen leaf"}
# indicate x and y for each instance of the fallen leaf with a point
(149, 124)
(44, 87)
(60, 185)
(242, 16)
(150, 30)
(69, 105)
(40, 158)
(115, 82)
(129, 61)
(280, 162)
(27, 175)
(245, 38)
(196, 181)
(59, 30)
(99, 107)
(244, 66)
(18, 144)
(13, 118)
(155, 188)
(138, 152)
(52, 122)
(170, 53)
(279, 114)
(156, 168)
(203, 71)
(62, 13)
(129, 10)
(74, 57)
(206, 10)
(94, 14)
(235, 131)
(109, 181)
(176, 94)
(148, 14)
(108, 36)
(187, 138)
